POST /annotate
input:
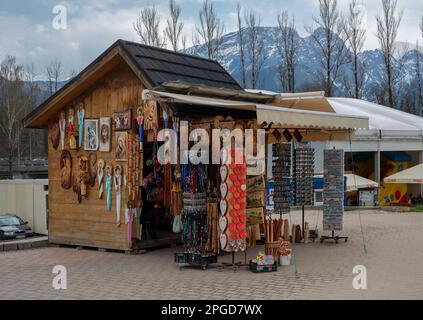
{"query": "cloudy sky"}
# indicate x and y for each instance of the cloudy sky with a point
(27, 30)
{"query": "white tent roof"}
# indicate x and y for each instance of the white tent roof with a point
(355, 182)
(380, 117)
(413, 175)
(390, 121)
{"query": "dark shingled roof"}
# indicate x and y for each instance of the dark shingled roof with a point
(160, 66)
(157, 66)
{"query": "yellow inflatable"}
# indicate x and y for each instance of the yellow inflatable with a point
(393, 193)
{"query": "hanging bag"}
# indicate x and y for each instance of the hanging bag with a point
(177, 224)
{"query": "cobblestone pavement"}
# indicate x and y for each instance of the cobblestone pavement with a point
(394, 263)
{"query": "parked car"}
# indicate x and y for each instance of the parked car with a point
(13, 227)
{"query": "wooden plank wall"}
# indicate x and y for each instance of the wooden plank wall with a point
(89, 223)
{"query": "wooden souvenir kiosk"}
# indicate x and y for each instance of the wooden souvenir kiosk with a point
(107, 188)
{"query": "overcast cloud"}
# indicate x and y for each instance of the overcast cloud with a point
(93, 25)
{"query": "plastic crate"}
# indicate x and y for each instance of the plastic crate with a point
(195, 258)
(254, 267)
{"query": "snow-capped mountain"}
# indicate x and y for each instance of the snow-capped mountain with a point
(308, 64)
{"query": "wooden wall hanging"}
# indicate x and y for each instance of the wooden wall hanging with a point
(121, 152)
(108, 181)
(140, 122)
(150, 114)
(62, 129)
(91, 141)
(81, 117)
(66, 169)
(71, 132)
(84, 177)
(118, 189)
(54, 130)
(92, 158)
(122, 120)
(105, 134)
(100, 177)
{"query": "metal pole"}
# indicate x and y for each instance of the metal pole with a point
(303, 213)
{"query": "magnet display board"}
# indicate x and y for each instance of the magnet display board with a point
(333, 190)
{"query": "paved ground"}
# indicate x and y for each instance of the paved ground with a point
(394, 262)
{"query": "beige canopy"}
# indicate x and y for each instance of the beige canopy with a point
(273, 116)
(413, 175)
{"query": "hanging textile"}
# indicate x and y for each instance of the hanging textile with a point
(213, 227)
(168, 185)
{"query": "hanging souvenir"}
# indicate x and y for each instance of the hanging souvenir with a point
(118, 189)
(109, 181)
(71, 120)
(233, 205)
(100, 175)
(140, 121)
(122, 120)
(150, 119)
(121, 152)
(66, 169)
(62, 128)
(54, 132)
(105, 134)
(83, 175)
(91, 141)
(92, 157)
(81, 116)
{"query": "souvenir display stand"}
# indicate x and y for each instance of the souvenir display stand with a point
(196, 224)
(333, 190)
(303, 167)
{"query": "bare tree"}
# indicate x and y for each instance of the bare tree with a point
(288, 47)
(174, 25)
(255, 46)
(54, 72)
(209, 31)
(357, 37)
(14, 103)
(241, 45)
(387, 30)
(332, 48)
(147, 27)
(33, 143)
(184, 42)
(419, 104)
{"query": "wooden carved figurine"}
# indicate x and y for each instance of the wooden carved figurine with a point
(109, 181)
(71, 121)
(118, 190)
(66, 169)
(92, 157)
(140, 121)
(62, 128)
(81, 116)
(100, 175)
(83, 175)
